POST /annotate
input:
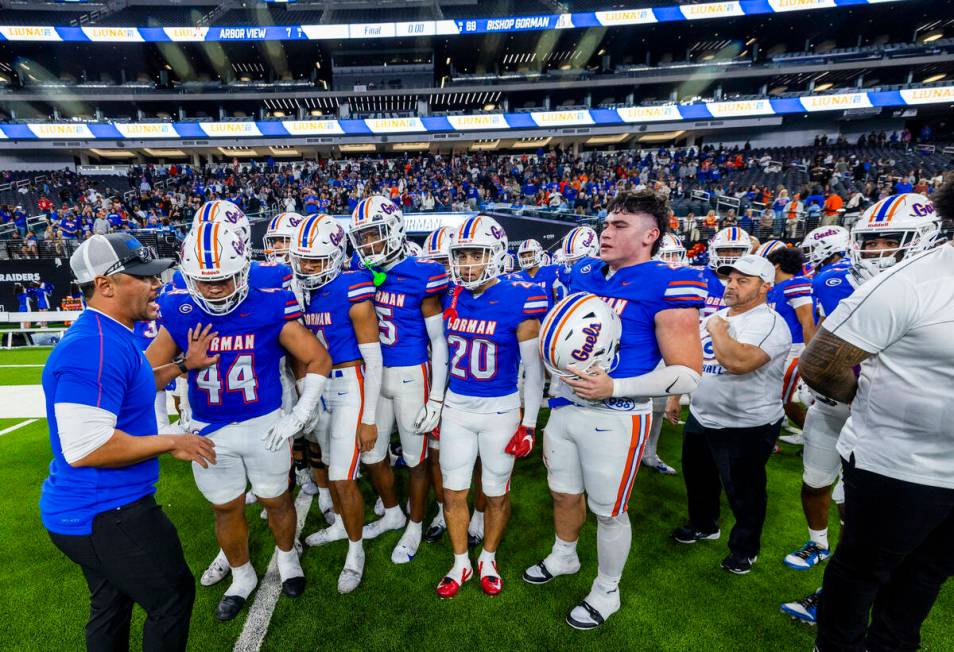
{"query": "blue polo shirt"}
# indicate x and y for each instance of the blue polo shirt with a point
(97, 363)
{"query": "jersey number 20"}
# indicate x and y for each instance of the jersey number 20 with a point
(481, 354)
(239, 378)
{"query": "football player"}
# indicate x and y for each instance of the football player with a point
(891, 230)
(339, 309)
(671, 250)
(768, 247)
(599, 423)
(492, 325)
(578, 243)
(726, 247)
(278, 236)
(532, 268)
(791, 297)
(238, 400)
(407, 302)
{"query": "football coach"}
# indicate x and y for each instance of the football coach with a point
(97, 503)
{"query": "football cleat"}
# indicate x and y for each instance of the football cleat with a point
(738, 564)
(306, 482)
(490, 584)
(594, 609)
(448, 587)
(660, 466)
(808, 556)
(351, 575)
(803, 610)
(379, 507)
(474, 539)
(406, 547)
(436, 530)
(229, 607)
(385, 524)
(216, 571)
(327, 535)
(550, 567)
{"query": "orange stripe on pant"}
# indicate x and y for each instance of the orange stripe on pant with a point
(353, 468)
(790, 381)
(622, 495)
(425, 366)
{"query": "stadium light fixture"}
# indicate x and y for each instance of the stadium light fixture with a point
(284, 151)
(411, 147)
(357, 147)
(532, 143)
(485, 145)
(934, 78)
(238, 152)
(606, 140)
(661, 136)
(930, 37)
(112, 153)
(160, 152)
(823, 87)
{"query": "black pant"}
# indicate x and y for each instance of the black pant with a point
(734, 459)
(895, 552)
(133, 555)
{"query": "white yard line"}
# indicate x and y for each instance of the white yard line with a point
(17, 426)
(269, 589)
(19, 366)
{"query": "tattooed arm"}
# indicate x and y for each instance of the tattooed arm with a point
(828, 363)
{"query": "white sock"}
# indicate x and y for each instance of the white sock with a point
(649, 450)
(355, 551)
(476, 523)
(461, 564)
(614, 535)
(820, 537)
(563, 548)
(288, 564)
(244, 580)
(393, 512)
(440, 511)
(324, 495)
(486, 563)
(413, 528)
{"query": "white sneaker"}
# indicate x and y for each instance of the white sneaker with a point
(406, 547)
(551, 566)
(306, 482)
(594, 609)
(216, 571)
(379, 507)
(351, 574)
(327, 535)
(392, 520)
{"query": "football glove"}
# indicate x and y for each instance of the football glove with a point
(521, 444)
(429, 416)
(284, 429)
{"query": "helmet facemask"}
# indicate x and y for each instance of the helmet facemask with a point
(221, 305)
(491, 261)
(379, 243)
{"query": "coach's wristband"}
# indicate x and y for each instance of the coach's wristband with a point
(180, 362)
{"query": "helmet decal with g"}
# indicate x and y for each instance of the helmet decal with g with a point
(580, 242)
(727, 246)
(212, 256)
(483, 233)
(892, 230)
(824, 242)
(580, 330)
(225, 212)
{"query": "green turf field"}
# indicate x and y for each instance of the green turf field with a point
(674, 597)
(18, 365)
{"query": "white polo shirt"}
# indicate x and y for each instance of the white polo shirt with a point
(725, 400)
(902, 418)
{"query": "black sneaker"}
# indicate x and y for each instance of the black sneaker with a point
(689, 534)
(738, 564)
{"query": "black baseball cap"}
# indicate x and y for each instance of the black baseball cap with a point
(115, 253)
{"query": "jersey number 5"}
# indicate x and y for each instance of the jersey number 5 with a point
(239, 378)
(387, 330)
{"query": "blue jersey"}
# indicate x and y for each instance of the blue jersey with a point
(145, 332)
(831, 284)
(97, 364)
(25, 300)
(482, 335)
(715, 288)
(245, 382)
(326, 313)
(636, 294)
(263, 276)
(546, 277)
(404, 339)
(561, 279)
(785, 297)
